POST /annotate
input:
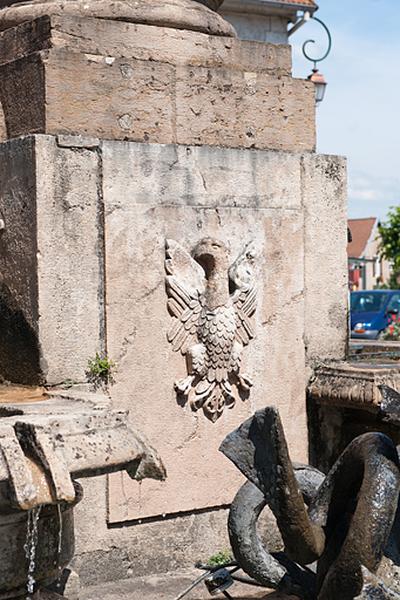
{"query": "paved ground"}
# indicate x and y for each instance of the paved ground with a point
(168, 587)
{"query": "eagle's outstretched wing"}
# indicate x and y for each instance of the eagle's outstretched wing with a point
(244, 292)
(185, 282)
(245, 305)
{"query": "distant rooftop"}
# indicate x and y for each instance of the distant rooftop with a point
(361, 232)
(302, 3)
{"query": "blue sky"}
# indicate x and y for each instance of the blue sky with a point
(360, 116)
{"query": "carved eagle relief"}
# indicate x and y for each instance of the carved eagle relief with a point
(211, 303)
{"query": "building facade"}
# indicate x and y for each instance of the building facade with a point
(265, 20)
(367, 269)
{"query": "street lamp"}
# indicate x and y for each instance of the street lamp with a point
(320, 84)
(316, 77)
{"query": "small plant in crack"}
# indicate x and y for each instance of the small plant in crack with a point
(101, 370)
(220, 559)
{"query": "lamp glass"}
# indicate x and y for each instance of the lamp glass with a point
(320, 89)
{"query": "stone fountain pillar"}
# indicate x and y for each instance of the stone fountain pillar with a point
(126, 124)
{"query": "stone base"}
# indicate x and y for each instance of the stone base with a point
(84, 248)
(152, 547)
(115, 553)
(122, 81)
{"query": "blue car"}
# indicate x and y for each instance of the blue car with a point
(371, 312)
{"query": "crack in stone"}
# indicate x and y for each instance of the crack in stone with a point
(272, 318)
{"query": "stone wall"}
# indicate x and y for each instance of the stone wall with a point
(102, 212)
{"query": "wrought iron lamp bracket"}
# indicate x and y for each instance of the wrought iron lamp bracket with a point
(310, 41)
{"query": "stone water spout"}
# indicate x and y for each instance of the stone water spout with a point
(345, 524)
(45, 445)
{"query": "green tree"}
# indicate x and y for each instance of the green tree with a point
(390, 243)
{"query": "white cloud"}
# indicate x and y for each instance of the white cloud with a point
(371, 195)
(358, 194)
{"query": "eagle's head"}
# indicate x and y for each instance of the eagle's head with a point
(212, 255)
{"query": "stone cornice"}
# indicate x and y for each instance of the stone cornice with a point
(353, 385)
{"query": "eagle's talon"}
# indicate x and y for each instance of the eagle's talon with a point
(183, 386)
(245, 383)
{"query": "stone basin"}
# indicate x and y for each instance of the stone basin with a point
(21, 394)
(54, 550)
(47, 439)
(16, 395)
(65, 434)
(345, 400)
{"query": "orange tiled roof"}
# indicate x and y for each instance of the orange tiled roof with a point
(361, 231)
(309, 3)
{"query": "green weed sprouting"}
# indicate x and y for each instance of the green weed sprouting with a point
(101, 370)
(221, 558)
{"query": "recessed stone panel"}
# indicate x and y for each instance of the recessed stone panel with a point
(138, 322)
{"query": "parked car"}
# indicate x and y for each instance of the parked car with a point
(371, 311)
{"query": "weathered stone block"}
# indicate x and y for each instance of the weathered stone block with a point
(117, 553)
(50, 260)
(243, 110)
(326, 279)
(203, 176)
(159, 85)
(128, 40)
(23, 82)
